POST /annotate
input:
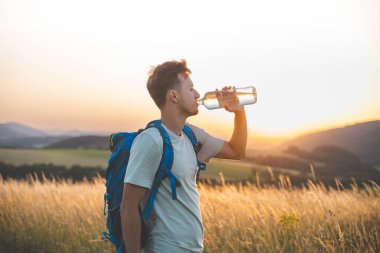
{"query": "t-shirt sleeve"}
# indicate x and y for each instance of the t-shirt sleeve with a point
(146, 153)
(210, 145)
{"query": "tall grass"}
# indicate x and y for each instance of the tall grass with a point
(312, 219)
(65, 217)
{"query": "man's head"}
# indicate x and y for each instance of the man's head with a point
(170, 84)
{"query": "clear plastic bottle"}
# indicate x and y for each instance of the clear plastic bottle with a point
(230, 97)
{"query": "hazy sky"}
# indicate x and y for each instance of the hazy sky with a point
(83, 64)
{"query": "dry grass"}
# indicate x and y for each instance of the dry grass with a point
(252, 219)
(51, 217)
(65, 217)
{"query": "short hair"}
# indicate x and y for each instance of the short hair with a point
(164, 77)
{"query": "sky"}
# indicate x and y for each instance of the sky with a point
(84, 64)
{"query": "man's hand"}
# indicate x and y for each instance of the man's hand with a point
(235, 148)
(228, 99)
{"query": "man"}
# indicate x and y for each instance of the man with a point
(174, 225)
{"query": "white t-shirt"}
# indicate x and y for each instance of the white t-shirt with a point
(173, 225)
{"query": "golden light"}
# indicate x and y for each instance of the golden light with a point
(84, 64)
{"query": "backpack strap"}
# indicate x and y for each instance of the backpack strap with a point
(164, 169)
(196, 145)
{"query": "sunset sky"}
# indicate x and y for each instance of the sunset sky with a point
(84, 64)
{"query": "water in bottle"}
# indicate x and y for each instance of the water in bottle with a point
(229, 97)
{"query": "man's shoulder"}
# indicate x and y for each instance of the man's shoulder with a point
(194, 127)
(150, 135)
(199, 132)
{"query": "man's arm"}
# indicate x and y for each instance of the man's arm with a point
(130, 216)
(235, 148)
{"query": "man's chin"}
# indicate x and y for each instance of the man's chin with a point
(193, 113)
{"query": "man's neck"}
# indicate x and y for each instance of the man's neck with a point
(173, 122)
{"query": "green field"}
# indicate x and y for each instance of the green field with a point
(233, 170)
(66, 157)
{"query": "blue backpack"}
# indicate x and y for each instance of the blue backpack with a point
(120, 146)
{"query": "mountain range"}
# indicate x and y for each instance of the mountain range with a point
(362, 139)
(16, 130)
(16, 135)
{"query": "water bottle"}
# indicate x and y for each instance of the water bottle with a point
(229, 97)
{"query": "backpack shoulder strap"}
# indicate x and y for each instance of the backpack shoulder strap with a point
(196, 145)
(190, 134)
(167, 154)
(164, 169)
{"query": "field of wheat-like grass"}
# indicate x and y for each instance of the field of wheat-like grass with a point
(65, 217)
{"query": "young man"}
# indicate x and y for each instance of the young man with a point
(174, 225)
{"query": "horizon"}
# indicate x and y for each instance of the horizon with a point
(84, 65)
(265, 138)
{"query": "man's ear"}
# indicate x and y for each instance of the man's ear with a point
(172, 96)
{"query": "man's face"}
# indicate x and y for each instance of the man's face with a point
(187, 96)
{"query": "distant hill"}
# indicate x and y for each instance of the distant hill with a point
(16, 135)
(87, 142)
(17, 130)
(362, 139)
